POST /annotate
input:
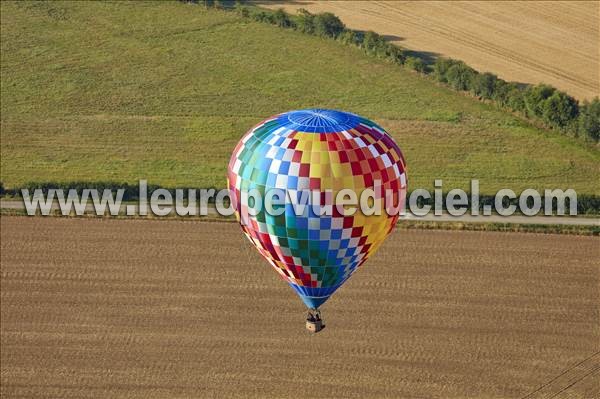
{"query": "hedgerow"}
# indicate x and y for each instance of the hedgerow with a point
(542, 103)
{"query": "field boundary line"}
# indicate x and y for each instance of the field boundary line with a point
(594, 368)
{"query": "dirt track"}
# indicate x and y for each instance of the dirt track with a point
(527, 41)
(155, 309)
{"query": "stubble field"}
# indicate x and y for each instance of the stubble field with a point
(526, 41)
(154, 309)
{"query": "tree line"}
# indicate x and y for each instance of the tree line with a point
(542, 103)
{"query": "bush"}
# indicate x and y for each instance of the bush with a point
(501, 89)
(509, 95)
(305, 21)
(534, 98)
(350, 37)
(559, 109)
(460, 76)
(376, 44)
(589, 119)
(263, 16)
(395, 54)
(588, 204)
(372, 42)
(441, 67)
(242, 11)
(484, 85)
(416, 64)
(515, 99)
(327, 24)
(281, 19)
(554, 107)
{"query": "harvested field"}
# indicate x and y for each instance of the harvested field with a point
(527, 41)
(155, 309)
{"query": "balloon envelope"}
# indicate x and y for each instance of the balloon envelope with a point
(316, 151)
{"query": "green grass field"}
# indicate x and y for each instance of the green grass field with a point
(163, 91)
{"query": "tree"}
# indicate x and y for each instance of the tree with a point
(484, 85)
(371, 41)
(395, 53)
(501, 89)
(281, 18)
(535, 96)
(263, 16)
(327, 24)
(416, 64)
(515, 99)
(589, 119)
(559, 109)
(305, 21)
(241, 9)
(348, 36)
(460, 76)
(441, 67)
(376, 44)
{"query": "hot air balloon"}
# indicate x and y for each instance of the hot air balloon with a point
(323, 151)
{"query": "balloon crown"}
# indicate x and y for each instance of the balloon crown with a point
(317, 120)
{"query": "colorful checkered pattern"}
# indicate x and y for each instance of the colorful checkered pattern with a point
(323, 151)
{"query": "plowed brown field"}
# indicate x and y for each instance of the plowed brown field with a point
(554, 42)
(154, 309)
